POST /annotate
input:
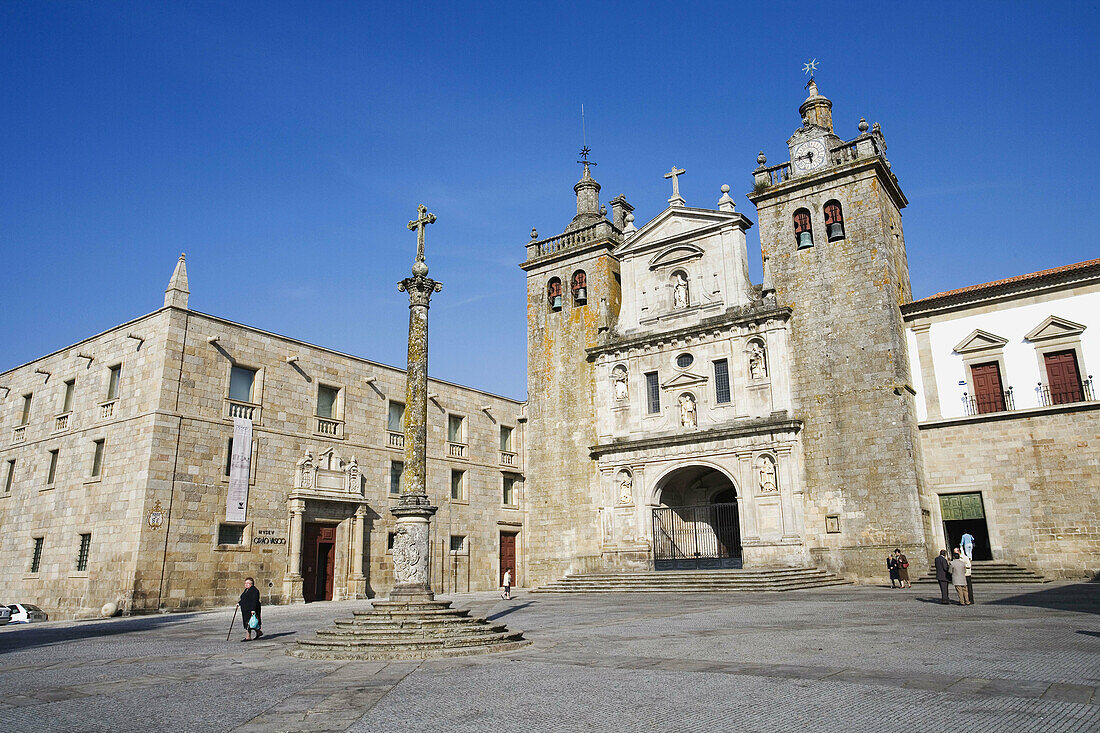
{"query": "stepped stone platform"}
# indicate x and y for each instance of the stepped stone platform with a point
(415, 630)
(697, 581)
(988, 571)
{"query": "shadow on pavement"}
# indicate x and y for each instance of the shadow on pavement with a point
(508, 610)
(267, 637)
(1079, 597)
(31, 637)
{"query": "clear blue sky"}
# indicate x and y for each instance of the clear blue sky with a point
(284, 146)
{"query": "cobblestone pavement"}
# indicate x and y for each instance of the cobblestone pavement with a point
(837, 659)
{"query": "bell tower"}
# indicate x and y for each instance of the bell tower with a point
(833, 250)
(573, 294)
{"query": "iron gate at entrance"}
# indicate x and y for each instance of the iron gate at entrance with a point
(696, 537)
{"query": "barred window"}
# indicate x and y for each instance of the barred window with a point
(36, 555)
(653, 393)
(82, 553)
(721, 381)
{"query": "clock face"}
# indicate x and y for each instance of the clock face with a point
(808, 155)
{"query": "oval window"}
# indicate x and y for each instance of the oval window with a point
(684, 360)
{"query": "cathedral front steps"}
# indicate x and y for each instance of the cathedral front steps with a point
(394, 630)
(693, 581)
(992, 571)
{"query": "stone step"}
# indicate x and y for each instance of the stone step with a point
(407, 648)
(693, 581)
(985, 571)
(344, 633)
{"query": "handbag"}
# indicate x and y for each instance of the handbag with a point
(254, 622)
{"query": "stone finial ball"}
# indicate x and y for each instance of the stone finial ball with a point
(862, 125)
(629, 217)
(725, 188)
(420, 269)
(534, 233)
(108, 610)
(761, 159)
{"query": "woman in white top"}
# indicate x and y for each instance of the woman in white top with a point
(507, 583)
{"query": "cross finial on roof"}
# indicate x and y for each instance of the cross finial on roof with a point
(810, 67)
(677, 199)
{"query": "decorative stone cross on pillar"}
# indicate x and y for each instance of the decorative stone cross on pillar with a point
(677, 199)
(413, 512)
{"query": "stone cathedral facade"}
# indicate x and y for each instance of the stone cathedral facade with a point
(679, 415)
(682, 416)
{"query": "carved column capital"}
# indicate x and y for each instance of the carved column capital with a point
(420, 289)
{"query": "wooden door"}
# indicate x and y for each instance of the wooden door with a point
(326, 562)
(309, 562)
(1062, 377)
(989, 396)
(508, 556)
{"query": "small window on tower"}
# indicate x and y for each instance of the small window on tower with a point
(834, 221)
(553, 293)
(803, 232)
(580, 288)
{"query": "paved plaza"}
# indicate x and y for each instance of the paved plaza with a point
(836, 659)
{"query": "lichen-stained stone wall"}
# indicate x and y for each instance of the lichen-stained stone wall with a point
(166, 443)
(850, 369)
(108, 506)
(563, 484)
(1038, 472)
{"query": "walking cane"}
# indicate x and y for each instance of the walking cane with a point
(231, 621)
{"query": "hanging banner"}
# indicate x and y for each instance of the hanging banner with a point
(240, 460)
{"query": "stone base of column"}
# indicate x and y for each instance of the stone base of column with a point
(293, 589)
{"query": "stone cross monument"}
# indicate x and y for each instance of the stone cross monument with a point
(410, 543)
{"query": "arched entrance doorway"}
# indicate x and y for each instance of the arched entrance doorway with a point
(697, 525)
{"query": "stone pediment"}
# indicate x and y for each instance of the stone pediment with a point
(675, 255)
(980, 340)
(1053, 328)
(678, 225)
(684, 379)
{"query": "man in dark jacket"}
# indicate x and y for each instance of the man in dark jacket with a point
(249, 603)
(943, 576)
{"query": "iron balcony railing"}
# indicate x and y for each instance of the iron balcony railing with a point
(986, 403)
(1065, 395)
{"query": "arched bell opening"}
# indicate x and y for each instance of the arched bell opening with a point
(697, 524)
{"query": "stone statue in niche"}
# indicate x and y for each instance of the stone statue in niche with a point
(618, 378)
(679, 290)
(626, 487)
(353, 484)
(765, 466)
(758, 360)
(687, 411)
(305, 470)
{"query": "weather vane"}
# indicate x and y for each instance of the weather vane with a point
(585, 150)
(810, 67)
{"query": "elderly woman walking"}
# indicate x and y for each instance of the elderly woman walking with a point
(249, 604)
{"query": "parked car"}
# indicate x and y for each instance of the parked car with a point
(5, 615)
(22, 613)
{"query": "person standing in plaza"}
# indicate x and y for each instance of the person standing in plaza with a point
(507, 583)
(969, 581)
(943, 576)
(967, 545)
(249, 604)
(892, 566)
(903, 568)
(958, 578)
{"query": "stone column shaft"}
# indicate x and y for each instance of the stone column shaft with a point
(410, 545)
